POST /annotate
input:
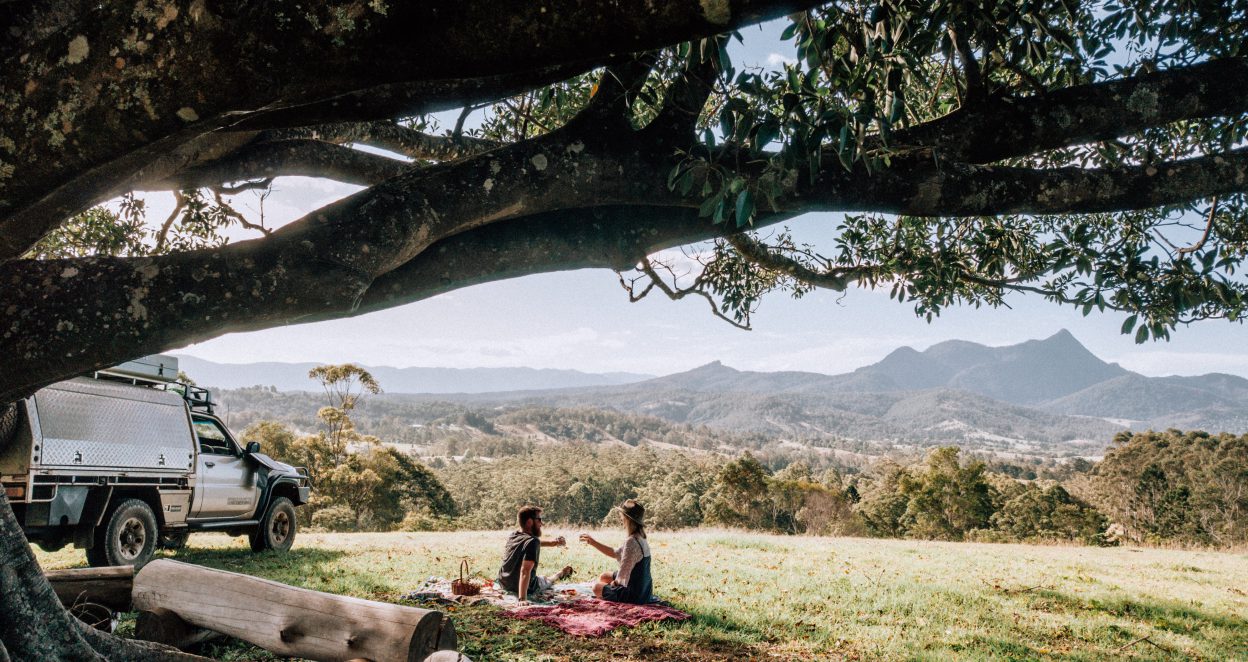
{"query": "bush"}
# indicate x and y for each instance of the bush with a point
(334, 518)
(423, 521)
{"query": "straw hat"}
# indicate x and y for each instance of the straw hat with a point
(634, 511)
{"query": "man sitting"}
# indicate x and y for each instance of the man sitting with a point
(518, 574)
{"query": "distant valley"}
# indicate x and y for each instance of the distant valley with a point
(1049, 397)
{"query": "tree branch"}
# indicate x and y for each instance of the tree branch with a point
(677, 293)
(686, 98)
(974, 79)
(345, 257)
(214, 60)
(919, 187)
(834, 279)
(390, 136)
(278, 158)
(1213, 210)
(997, 128)
(613, 96)
(179, 204)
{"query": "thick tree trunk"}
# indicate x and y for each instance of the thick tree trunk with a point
(35, 626)
(288, 620)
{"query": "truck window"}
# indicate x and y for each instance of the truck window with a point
(212, 439)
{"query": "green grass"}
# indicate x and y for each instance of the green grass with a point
(759, 596)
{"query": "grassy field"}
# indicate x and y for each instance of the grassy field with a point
(800, 598)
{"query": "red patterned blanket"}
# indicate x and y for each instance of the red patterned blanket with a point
(594, 618)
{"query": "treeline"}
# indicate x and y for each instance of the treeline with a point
(1163, 488)
(941, 498)
(1174, 486)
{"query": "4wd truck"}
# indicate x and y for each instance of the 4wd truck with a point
(126, 459)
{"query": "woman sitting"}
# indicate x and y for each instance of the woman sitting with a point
(631, 583)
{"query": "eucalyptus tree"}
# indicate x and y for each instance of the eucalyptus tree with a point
(1091, 153)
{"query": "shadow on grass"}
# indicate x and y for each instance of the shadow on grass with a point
(1223, 632)
(1184, 618)
(258, 564)
(330, 571)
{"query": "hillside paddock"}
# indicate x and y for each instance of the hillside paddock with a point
(759, 596)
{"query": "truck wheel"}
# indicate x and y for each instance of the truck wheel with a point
(277, 529)
(128, 536)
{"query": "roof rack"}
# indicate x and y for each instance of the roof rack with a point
(197, 398)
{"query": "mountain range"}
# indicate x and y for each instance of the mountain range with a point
(1048, 396)
(294, 377)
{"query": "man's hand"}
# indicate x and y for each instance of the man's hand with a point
(561, 542)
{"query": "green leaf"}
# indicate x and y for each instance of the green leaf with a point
(673, 176)
(745, 208)
(1141, 334)
(708, 206)
(1129, 324)
(685, 184)
(767, 132)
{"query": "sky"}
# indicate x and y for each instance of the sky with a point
(583, 319)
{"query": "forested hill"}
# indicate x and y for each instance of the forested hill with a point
(1049, 396)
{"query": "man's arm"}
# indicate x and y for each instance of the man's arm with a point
(526, 571)
(557, 542)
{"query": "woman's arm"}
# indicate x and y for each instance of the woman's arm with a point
(629, 556)
(589, 540)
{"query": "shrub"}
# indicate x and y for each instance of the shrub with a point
(334, 518)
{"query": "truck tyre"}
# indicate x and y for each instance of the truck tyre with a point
(128, 536)
(277, 527)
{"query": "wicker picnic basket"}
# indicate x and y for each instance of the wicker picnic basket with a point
(464, 585)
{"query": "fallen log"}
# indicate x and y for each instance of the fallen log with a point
(109, 587)
(166, 627)
(291, 621)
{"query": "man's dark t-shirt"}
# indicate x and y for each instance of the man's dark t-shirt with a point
(520, 547)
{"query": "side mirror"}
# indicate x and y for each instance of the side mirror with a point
(253, 447)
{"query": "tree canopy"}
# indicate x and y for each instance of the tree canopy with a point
(1088, 152)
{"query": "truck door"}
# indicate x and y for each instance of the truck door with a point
(227, 481)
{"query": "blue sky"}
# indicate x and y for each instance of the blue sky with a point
(583, 320)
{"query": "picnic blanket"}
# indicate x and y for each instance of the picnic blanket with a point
(593, 617)
(438, 589)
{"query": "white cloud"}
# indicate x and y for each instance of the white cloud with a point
(777, 60)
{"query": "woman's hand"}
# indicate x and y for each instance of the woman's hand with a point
(589, 540)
